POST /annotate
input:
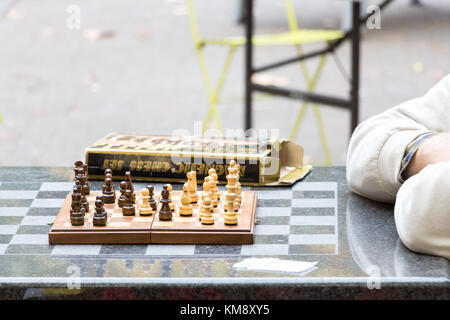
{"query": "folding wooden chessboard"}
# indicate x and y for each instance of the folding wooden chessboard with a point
(140, 230)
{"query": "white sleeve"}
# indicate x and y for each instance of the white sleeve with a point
(378, 145)
(422, 211)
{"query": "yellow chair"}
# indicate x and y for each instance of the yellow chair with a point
(295, 36)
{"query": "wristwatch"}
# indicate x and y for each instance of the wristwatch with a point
(411, 150)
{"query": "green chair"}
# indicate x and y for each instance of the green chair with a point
(295, 36)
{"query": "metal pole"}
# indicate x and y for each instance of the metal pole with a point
(248, 64)
(356, 34)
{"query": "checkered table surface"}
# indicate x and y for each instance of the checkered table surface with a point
(302, 220)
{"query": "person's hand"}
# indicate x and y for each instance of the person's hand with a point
(432, 150)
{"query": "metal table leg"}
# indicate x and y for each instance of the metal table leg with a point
(356, 36)
(248, 64)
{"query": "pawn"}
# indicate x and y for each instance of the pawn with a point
(100, 216)
(201, 210)
(151, 201)
(185, 200)
(215, 178)
(100, 197)
(128, 208)
(238, 185)
(145, 209)
(206, 186)
(208, 189)
(109, 195)
(108, 172)
(122, 198)
(207, 217)
(171, 203)
(165, 213)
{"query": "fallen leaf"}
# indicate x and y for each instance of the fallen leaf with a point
(143, 34)
(418, 67)
(15, 14)
(48, 31)
(95, 34)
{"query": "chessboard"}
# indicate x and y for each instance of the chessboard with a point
(298, 220)
(149, 229)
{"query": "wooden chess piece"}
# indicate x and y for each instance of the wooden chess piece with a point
(128, 208)
(122, 198)
(238, 184)
(130, 185)
(231, 186)
(76, 210)
(206, 186)
(192, 183)
(234, 170)
(171, 203)
(145, 209)
(83, 181)
(212, 174)
(108, 172)
(185, 207)
(201, 210)
(165, 213)
(100, 197)
(230, 217)
(211, 193)
(151, 200)
(207, 217)
(100, 216)
(81, 169)
(84, 202)
(109, 194)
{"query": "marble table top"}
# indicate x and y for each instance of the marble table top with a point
(353, 240)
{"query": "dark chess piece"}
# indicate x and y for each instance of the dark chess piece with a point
(83, 182)
(78, 166)
(81, 169)
(130, 185)
(151, 200)
(165, 213)
(108, 174)
(84, 202)
(100, 197)
(100, 216)
(128, 208)
(123, 188)
(109, 194)
(76, 210)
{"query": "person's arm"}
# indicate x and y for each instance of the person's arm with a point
(422, 210)
(378, 145)
(432, 150)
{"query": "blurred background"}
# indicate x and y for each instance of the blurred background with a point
(131, 67)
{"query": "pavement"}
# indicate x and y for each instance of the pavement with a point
(131, 68)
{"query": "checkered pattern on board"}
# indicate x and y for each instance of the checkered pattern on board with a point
(302, 220)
